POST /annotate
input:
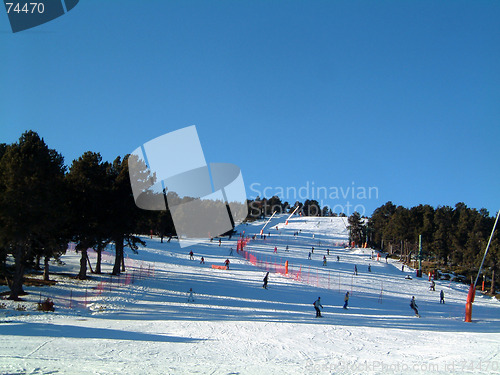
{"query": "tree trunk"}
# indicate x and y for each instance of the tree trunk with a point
(83, 266)
(37, 263)
(16, 286)
(492, 289)
(118, 255)
(99, 259)
(46, 268)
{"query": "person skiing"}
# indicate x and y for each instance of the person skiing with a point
(220, 240)
(190, 296)
(441, 296)
(231, 251)
(202, 260)
(312, 250)
(286, 247)
(414, 306)
(265, 280)
(327, 251)
(346, 300)
(356, 270)
(324, 260)
(369, 268)
(191, 255)
(276, 249)
(309, 256)
(226, 262)
(338, 258)
(432, 286)
(317, 305)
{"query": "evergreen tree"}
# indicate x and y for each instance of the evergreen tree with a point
(124, 214)
(355, 228)
(379, 221)
(89, 186)
(31, 202)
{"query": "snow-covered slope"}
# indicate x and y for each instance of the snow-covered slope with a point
(142, 322)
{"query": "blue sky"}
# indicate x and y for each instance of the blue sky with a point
(398, 96)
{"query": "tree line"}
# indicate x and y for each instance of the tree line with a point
(454, 237)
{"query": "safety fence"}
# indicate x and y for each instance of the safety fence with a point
(82, 293)
(321, 278)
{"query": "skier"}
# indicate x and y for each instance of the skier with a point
(327, 251)
(190, 296)
(432, 286)
(309, 256)
(369, 268)
(387, 256)
(231, 251)
(355, 270)
(317, 305)
(265, 280)
(324, 260)
(346, 300)
(312, 250)
(276, 249)
(191, 255)
(338, 258)
(202, 260)
(441, 296)
(286, 247)
(226, 262)
(220, 240)
(414, 306)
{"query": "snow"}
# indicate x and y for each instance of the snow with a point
(142, 322)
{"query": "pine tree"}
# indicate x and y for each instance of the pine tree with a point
(89, 186)
(441, 241)
(123, 213)
(379, 221)
(31, 202)
(355, 228)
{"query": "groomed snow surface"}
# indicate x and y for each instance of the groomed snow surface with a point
(143, 323)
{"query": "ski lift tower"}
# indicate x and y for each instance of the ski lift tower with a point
(419, 273)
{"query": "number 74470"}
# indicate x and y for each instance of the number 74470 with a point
(16, 7)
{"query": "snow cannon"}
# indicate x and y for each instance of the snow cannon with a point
(468, 305)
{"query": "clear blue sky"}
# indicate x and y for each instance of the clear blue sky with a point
(401, 96)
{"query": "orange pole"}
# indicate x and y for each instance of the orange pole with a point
(468, 305)
(468, 312)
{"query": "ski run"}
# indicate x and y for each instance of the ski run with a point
(174, 314)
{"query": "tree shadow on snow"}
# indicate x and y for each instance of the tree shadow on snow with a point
(71, 331)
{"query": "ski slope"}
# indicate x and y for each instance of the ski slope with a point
(143, 323)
